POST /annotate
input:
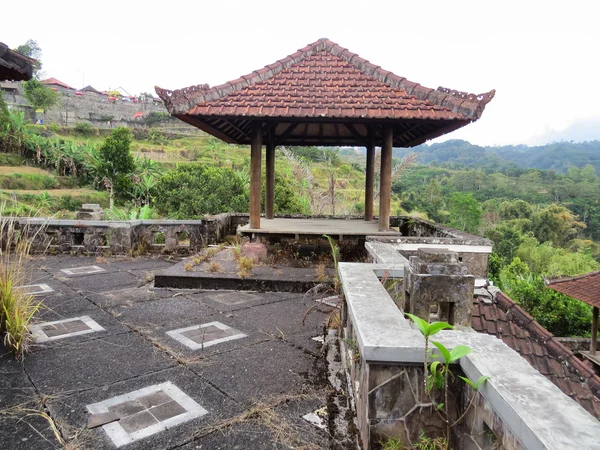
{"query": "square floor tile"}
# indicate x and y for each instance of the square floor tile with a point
(205, 335)
(147, 411)
(36, 289)
(60, 329)
(85, 270)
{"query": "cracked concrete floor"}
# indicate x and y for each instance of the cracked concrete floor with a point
(255, 388)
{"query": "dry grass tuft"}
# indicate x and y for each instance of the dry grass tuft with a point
(188, 266)
(17, 308)
(245, 266)
(214, 267)
(236, 252)
(321, 273)
(287, 435)
(101, 260)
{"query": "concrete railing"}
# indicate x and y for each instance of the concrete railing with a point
(518, 405)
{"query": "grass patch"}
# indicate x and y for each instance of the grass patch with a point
(10, 159)
(31, 181)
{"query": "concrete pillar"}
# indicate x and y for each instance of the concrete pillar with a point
(370, 176)
(385, 186)
(436, 277)
(255, 177)
(270, 188)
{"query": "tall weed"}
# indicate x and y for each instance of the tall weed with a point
(17, 308)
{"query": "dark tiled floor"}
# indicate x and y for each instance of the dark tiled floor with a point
(135, 352)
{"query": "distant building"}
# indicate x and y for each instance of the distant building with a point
(57, 84)
(90, 89)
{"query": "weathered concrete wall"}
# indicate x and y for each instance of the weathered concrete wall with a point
(123, 237)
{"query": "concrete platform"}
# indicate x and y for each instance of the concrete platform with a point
(275, 364)
(299, 228)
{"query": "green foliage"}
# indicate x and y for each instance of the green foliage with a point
(9, 159)
(28, 181)
(40, 96)
(33, 50)
(561, 315)
(465, 212)
(85, 129)
(286, 199)
(192, 191)
(115, 163)
(437, 373)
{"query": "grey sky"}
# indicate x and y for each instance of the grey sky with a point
(540, 56)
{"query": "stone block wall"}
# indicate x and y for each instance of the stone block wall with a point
(124, 237)
(96, 110)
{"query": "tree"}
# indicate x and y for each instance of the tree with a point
(192, 191)
(465, 212)
(556, 224)
(40, 96)
(32, 50)
(116, 162)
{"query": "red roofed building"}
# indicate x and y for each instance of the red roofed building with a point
(324, 95)
(53, 82)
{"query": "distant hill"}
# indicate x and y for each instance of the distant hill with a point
(557, 156)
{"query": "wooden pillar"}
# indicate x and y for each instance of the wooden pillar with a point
(370, 176)
(385, 186)
(594, 332)
(255, 178)
(270, 189)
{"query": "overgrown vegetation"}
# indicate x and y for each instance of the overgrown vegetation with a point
(17, 307)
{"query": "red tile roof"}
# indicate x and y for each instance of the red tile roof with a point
(55, 82)
(508, 321)
(582, 287)
(325, 81)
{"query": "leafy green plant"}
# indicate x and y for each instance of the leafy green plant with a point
(438, 373)
(392, 444)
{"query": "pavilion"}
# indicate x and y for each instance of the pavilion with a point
(323, 95)
(14, 66)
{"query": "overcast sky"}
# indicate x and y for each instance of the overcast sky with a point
(542, 57)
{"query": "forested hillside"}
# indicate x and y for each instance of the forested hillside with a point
(509, 159)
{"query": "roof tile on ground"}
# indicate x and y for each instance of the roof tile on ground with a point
(544, 352)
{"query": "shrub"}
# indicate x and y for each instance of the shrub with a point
(85, 129)
(192, 191)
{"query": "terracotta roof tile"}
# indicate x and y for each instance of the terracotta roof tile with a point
(325, 80)
(583, 287)
(508, 321)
